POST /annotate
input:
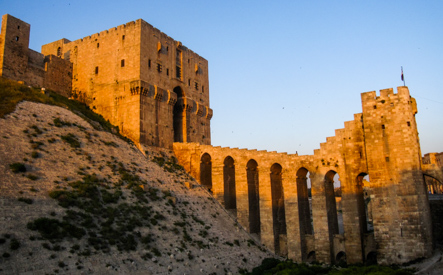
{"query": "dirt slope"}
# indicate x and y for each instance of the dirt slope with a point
(90, 203)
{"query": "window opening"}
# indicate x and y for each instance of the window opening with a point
(159, 67)
(98, 45)
(16, 38)
(304, 208)
(278, 209)
(123, 63)
(59, 51)
(196, 85)
(229, 184)
(96, 70)
(123, 37)
(178, 64)
(253, 196)
(149, 63)
(206, 171)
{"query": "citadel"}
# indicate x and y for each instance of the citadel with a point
(156, 91)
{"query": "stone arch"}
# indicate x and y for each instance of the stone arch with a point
(331, 209)
(340, 258)
(230, 198)
(278, 210)
(304, 209)
(331, 205)
(362, 209)
(362, 203)
(311, 257)
(179, 117)
(206, 171)
(371, 258)
(253, 195)
(433, 185)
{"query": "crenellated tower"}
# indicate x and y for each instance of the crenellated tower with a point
(401, 216)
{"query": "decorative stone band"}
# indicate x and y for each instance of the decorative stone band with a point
(159, 93)
(172, 98)
(140, 87)
(185, 103)
(201, 110)
(208, 113)
(204, 111)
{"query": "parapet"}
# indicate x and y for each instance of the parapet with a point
(386, 94)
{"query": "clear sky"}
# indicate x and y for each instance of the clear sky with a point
(283, 74)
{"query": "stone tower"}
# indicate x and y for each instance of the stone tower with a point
(152, 87)
(14, 45)
(401, 215)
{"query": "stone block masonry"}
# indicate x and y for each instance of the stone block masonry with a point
(151, 86)
(157, 92)
(18, 62)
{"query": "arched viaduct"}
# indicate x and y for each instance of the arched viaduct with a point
(268, 191)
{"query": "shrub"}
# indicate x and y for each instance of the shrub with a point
(15, 244)
(32, 177)
(25, 200)
(36, 129)
(60, 123)
(72, 140)
(18, 167)
(53, 229)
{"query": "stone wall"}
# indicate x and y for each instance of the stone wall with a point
(19, 63)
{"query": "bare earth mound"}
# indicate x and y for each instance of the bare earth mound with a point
(77, 200)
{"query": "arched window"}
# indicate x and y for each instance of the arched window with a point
(278, 209)
(206, 171)
(362, 203)
(331, 205)
(304, 210)
(253, 196)
(229, 184)
(179, 117)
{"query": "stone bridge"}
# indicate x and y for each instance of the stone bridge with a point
(384, 218)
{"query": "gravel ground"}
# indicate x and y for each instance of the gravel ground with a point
(30, 136)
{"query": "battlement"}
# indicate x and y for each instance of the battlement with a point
(121, 29)
(386, 95)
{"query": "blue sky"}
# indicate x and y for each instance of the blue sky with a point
(283, 74)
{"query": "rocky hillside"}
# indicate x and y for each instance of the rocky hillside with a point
(78, 200)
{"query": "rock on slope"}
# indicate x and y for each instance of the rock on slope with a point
(76, 200)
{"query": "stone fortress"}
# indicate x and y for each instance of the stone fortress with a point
(157, 92)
